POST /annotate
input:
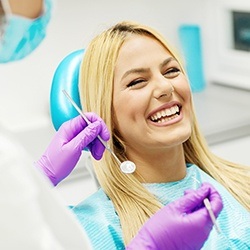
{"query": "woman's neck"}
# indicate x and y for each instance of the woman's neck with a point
(161, 166)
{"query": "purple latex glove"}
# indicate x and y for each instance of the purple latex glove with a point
(66, 147)
(183, 224)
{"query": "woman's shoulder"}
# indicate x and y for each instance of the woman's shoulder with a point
(227, 197)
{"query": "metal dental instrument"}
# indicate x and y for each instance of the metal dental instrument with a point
(211, 214)
(209, 209)
(126, 167)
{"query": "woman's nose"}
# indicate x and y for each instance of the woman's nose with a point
(163, 88)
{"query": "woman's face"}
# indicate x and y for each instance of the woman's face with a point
(148, 114)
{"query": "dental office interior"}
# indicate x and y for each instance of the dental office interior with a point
(220, 31)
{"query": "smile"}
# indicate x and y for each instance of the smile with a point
(166, 114)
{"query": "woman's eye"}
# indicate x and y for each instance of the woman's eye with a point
(135, 83)
(173, 72)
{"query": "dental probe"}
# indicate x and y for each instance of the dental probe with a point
(126, 167)
(209, 209)
(211, 214)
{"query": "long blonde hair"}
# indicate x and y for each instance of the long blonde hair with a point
(133, 203)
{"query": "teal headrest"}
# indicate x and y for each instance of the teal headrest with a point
(66, 77)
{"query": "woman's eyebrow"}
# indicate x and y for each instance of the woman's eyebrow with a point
(144, 70)
(134, 71)
(168, 60)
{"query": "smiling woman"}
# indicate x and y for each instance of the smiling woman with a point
(149, 111)
(142, 94)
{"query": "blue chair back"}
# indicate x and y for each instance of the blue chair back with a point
(65, 77)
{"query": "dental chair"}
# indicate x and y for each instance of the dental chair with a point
(66, 78)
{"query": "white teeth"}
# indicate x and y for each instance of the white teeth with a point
(167, 119)
(173, 110)
(165, 113)
(168, 112)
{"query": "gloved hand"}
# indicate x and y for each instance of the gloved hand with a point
(183, 224)
(66, 146)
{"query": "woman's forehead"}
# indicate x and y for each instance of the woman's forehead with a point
(139, 47)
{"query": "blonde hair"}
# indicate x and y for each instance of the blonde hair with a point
(133, 203)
